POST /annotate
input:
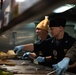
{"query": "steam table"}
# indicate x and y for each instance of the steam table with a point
(25, 67)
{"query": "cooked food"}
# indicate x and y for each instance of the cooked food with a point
(3, 54)
(11, 52)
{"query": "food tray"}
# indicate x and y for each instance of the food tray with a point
(7, 56)
(7, 62)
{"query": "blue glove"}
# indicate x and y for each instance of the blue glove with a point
(25, 55)
(40, 59)
(17, 49)
(62, 66)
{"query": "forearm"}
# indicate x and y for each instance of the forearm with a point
(73, 66)
(48, 58)
(32, 55)
(28, 47)
(72, 53)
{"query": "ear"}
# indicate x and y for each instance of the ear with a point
(61, 27)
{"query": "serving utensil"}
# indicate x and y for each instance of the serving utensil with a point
(51, 72)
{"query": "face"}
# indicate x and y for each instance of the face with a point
(55, 31)
(40, 32)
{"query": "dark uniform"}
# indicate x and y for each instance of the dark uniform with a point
(40, 52)
(56, 48)
(60, 47)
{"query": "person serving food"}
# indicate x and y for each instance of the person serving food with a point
(42, 56)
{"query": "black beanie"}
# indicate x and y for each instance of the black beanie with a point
(56, 22)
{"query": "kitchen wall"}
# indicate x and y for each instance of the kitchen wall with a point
(24, 34)
(70, 30)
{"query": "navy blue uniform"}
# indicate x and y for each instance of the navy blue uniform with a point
(56, 48)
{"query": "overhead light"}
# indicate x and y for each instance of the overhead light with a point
(64, 8)
(19, 0)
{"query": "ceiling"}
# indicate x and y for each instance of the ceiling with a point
(70, 15)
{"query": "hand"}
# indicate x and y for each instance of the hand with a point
(17, 49)
(40, 59)
(25, 55)
(62, 66)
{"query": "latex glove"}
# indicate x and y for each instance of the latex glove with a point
(40, 59)
(25, 55)
(62, 66)
(17, 49)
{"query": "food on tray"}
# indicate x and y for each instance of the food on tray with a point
(3, 54)
(7, 62)
(11, 52)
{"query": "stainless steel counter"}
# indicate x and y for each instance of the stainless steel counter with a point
(25, 67)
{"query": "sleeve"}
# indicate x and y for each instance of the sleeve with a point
(72, 53)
